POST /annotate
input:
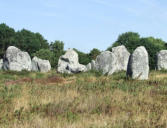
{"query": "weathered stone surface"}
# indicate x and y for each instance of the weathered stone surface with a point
(138, 66)
(106, 62)
(93, 65)
(162, 60)
(68, 63)
(16, 60)
(89, 67)
(40, 65)
(1, 64)
(122, 56)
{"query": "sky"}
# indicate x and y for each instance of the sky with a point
(86, 24)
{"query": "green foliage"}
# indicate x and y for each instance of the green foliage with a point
(129, 39)
(52, 54)
(24, 39)
(132, 40)
(94, 53)
(46, 54)
(57, 49)
(29, 41)
(83, 57)
(6, 38)
(153, 46)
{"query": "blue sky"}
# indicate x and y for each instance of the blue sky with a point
(86, 24)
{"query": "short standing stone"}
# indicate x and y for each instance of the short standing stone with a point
(106, 62)
(138, 66)
(93, 65)
(162, 60)
(68, 63)
(40, 65)
(16, 60)
(1, 63)
(122, 56)
(89, 67)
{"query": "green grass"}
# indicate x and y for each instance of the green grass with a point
(85, 100)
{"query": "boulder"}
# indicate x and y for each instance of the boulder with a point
(122, 56)
(89, 67)
(138, 66)
(1, 64)
(68, 63)
(106, 62)
(40, 65)
(16, 60)
(162, 60)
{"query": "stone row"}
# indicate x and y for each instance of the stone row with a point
(17, 60)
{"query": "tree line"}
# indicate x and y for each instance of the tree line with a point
(131, 40)
(36, 45)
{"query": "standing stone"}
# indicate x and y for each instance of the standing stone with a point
(93, 65)
(122, 56)
(1, 64)
(89, 67)
(106, 62)
(138, 66)
(69, 63)
(40, 65)
(162, 60)
(16, 60)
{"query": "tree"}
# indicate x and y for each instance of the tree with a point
(30, 42)
(94, 53)
(83, 57)
(129, 39)
(45, 54)
(153, 46)
(7, 35)
(57, 48)
(132, 40)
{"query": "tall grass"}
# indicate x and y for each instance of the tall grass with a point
(86, 100)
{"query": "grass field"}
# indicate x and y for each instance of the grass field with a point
(86, 100)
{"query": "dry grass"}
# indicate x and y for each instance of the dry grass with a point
(88, 100)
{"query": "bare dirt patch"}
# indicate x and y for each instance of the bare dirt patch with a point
(20, 81)
(49, 80)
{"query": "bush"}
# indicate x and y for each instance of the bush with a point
(57, 48)
(94, 53)
(83, 57)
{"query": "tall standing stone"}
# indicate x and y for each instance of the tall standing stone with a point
(162, 60)
(122, 56)
(16, 60)
(138, 66)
